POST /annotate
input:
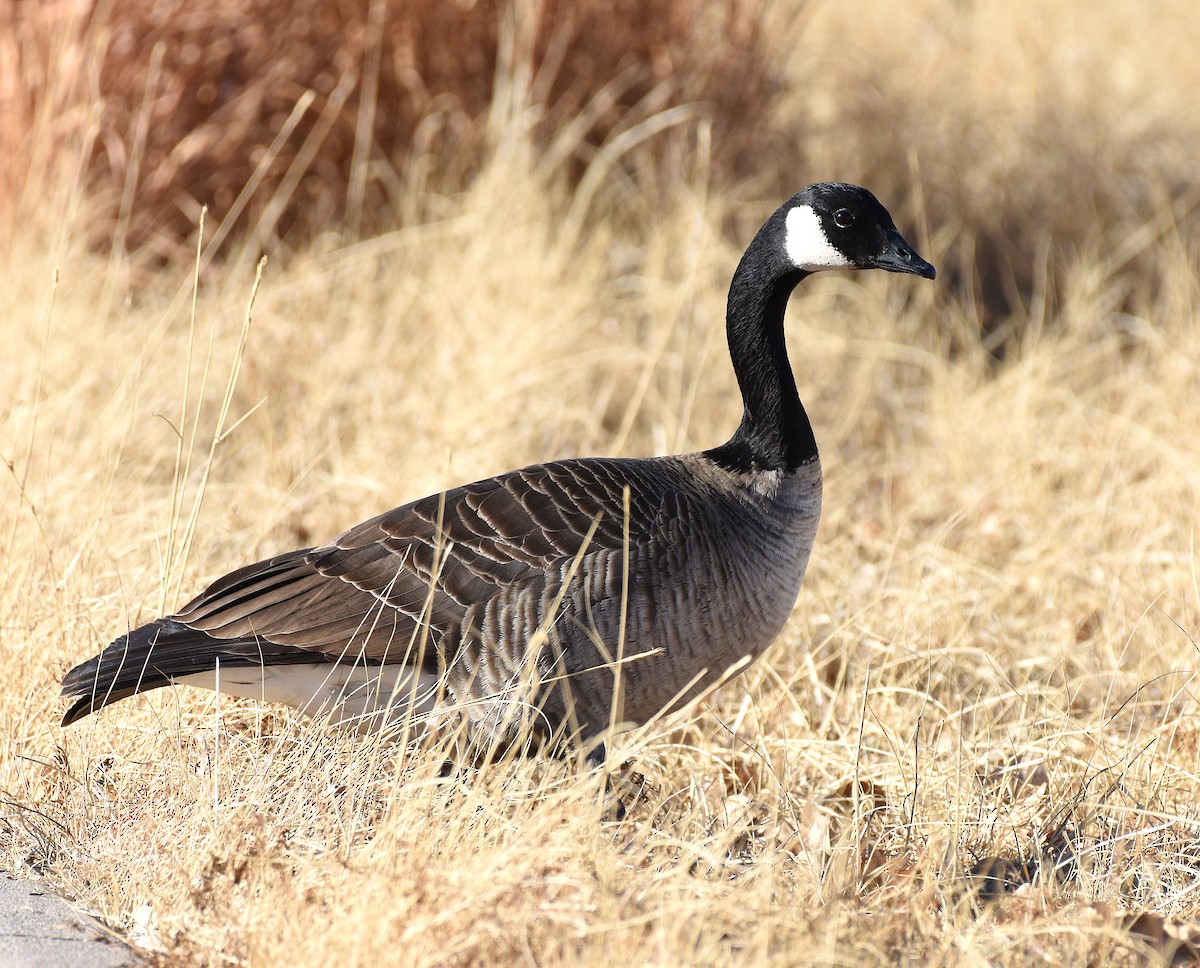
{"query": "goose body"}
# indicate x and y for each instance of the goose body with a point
(543, 588)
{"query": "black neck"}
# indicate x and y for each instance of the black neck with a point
(775, 433)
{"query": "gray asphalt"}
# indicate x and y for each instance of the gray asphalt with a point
(38, 929)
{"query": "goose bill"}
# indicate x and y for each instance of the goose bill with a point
(899, 256)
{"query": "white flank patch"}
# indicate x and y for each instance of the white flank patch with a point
(367, 697)
(807, 245)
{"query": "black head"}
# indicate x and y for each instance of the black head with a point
(836, 226)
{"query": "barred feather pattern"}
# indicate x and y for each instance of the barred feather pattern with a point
(511, 589)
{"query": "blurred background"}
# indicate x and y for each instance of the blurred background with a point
(1029, 138)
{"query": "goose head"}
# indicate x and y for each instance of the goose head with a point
(835, 226)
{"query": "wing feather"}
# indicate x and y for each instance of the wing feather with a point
(433, 572)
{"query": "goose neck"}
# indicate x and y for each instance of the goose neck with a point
(775, 433)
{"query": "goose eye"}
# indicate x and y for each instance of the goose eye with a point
(843, 218)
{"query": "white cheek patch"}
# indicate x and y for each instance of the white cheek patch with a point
(807, 245)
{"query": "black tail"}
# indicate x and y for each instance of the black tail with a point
(156, 654)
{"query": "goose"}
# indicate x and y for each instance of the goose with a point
(589, 591)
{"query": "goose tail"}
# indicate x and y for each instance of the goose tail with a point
(157, 654)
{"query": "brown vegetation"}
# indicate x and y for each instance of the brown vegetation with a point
(291, 118)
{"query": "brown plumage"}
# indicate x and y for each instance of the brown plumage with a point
(521, 592)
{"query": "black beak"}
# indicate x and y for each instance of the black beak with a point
(899, 256)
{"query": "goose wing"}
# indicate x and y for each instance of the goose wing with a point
(400, 587)
(426, 563)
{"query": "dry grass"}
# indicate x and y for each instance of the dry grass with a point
(290, 118)
(995, 650)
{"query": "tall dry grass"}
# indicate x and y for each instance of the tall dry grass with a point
(290, 119)
(993, 656)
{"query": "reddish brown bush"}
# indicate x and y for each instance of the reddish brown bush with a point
(286, 116)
